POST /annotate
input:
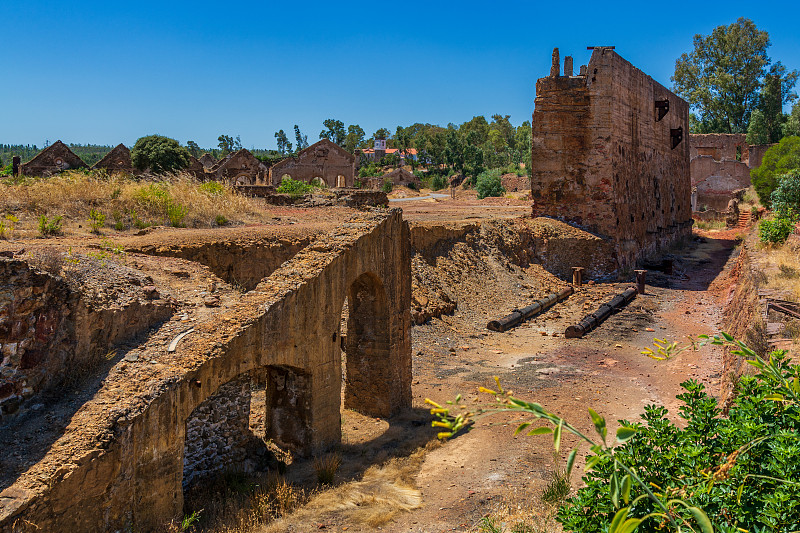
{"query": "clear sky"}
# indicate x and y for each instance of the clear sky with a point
(110, 71)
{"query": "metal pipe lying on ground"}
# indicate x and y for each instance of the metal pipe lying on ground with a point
(593, 320)
(520, 315)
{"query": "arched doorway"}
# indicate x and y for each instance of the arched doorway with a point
(368, 370)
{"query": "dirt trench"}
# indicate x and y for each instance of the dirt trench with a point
(490, 269)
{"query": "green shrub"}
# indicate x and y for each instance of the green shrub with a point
(785, 199)
(370, 171)
(220, 220)
(775, 231)
(212, 188)
(438, 182)
(119, 225)
(8, 225)
(294, 187)
(159, 154)
(778, 160)
(153, 195)
(176, 213)
(48, 228)
(96, 220)
(489, 184)
(388, 186)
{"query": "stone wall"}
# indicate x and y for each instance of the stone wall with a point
(51, 160)
(120, 463)
(719, 146)
(37, 336)
(325, 160)
(219, 436)
(51, 332)
(606, 160)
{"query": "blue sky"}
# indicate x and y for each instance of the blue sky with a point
(109, 72)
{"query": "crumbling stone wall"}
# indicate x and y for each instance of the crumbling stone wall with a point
(610, 156)
(50, 332)
(239, 168)
(219, 435)
(36, 337)
(719, 146)
(123, 467)
(117, 160)
(325, 160)
(52, 160)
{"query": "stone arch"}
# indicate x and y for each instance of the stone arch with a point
(228, 430)
(368, 370)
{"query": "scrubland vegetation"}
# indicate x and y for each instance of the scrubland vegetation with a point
(102, 202)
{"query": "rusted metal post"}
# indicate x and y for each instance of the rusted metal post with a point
(577, 276)
(15, 165)
(640, 276)
(520, 315)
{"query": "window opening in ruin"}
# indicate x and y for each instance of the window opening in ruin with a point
(677, 136)
(662, 108)
(365, 337)
(738, 153)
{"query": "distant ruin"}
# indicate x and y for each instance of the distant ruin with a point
(329, 162)
(611, 156)
(720, 166)
(239, 168)
(54, 159)
(117, 160)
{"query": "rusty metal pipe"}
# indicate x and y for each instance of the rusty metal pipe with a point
(593, 320)
(520, 315)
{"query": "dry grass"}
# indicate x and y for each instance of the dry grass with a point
(709, 224)
(126, 202)
(782, 269)
(520, 513)
(326, 467)
(384, 492)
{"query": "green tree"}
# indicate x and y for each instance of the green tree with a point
(778, 160)
(228, 144)
(785, 198)
(523, 144)
(159, 154)
(334, 131)
(454, 150)
(284, 146)
(766, 121)
(489, 183)
(302, 140)
(193, 148)
(354, 138)
(792, 124)
(722, 77)
(479, 125)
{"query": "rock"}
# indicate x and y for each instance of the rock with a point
(211, 301)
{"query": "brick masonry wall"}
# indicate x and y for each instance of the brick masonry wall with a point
(603, 162)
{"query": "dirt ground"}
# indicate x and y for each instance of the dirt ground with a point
(479, 471)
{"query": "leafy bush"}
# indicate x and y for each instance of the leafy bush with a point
(212, 188)
(489, 183)
(176, 213)
(159, 154)
(778, 160)
(388, 186)
(371, 170)
(294, 187)
(8, 225)
(153, 195)
(48, 228)
(775, 231)
(785, 198)
(220, 220)
(740, 472)
(96, 220)
(438, 182)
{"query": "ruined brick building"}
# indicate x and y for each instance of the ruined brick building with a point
(720, 166)
(325, 160)
(239, 168)
(117, 160)
(52, 160)
(611, 155)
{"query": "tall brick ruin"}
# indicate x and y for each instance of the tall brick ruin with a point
(611, 155)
